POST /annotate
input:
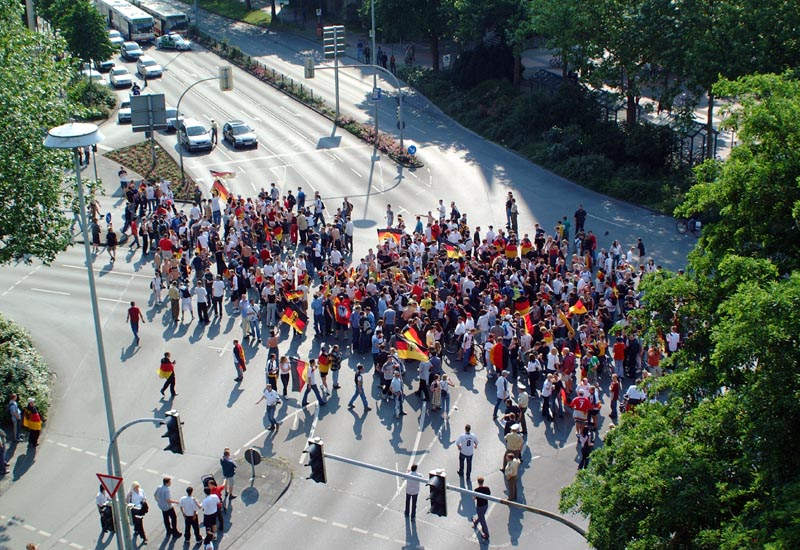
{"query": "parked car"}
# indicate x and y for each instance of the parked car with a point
(115, 37)
(105, 66)
(120, 77)
(193, 135)
(92, 74)
(147, 67)
(239, 134)
(124, 113)
(131, 51)
(172, 121)
(173, 41)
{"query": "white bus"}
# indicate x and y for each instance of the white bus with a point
(167, 18)
(130, 21)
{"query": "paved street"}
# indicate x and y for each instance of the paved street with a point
(356, 508)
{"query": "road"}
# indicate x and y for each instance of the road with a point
(356, 508)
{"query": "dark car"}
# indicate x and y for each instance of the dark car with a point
(239, 134)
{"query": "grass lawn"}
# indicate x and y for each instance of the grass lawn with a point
(235, 9)
(137, 158)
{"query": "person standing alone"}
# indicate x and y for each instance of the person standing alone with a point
(228, 472)
(167, 371)
(412, 492)
(135, 317)
(466, 443)
(481, 505)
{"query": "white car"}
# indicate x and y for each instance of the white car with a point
(92, 74)
(194, 135)
(173, 41)
(115, 37)
(147, 67)
(120, 77)
(124, 113)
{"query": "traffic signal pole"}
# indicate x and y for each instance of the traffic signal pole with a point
(575, 527)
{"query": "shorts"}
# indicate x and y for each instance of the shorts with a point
(210, 520)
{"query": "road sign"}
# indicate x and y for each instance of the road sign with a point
(110, 483)
(148, 112)
(446, 61)
(377, 93)
(333, 43)
(108, 217)
(253, 457)
(412, 149)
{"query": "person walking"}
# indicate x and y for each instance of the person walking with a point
(522, 403)
(174, 302)
(285, 370)
(466, 443)
(164, 500)
(359, 392)
(16, 416)
(210, 505)
(134, 318)
(167, 371)
(503, 391)
(239, 361)
(217, 294)
(412, 492)
(228, 472)
(103, 502)
(190, 508)
(32, 420)
(511, 474)
(481, 505)
(312, 384)
(396, 387)
(137, 503)
(547, 391)
(214, 132)
(111, 243)
(272, 398)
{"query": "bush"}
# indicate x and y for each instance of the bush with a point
(483, 63)
(22, 369)
(94, 99)
(590, 170)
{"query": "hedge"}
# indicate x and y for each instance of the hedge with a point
(22, 369)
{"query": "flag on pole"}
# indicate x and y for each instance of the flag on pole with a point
(294, 294)
(301, 372)
(453, 252)
(578, 308)
(295, 318)
(409, 350)
(390, 233)
(528, 323)
(218, 174)
(220, 191)
(523, 306)
(566, 323)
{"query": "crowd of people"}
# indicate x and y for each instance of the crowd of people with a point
(543, 312)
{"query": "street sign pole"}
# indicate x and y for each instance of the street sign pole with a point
(336, 64)
(375, 74)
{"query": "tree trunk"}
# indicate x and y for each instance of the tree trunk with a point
(517, 68)
(249, 5)
(631, 111)
(272, 9)
(564, 64)
(710, 127)
(435, 51)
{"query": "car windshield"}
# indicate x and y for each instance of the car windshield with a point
(149, 62)
(170, 113)
(195, 131)
(114, 34)
(119, 71)
(125, 104)
(241, 129)
(131, 47)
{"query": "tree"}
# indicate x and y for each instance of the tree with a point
(32, 178)
(85, 32)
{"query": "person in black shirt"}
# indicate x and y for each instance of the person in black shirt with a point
(481, 505)
(580, 218)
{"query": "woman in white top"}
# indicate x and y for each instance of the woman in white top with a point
(547, 391)
(284, 369)
(137, 503)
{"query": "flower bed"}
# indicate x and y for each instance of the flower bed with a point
(386, 143)
(137, 158)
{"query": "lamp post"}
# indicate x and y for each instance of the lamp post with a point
(372, 62)
(74, 136)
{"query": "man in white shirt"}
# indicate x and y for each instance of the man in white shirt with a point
(210, 507)
(217, 294)
(396, 387)
(503, 391)
(190, 507)
(272, 398)
(673, 339)
(466, 443)
(412, 491)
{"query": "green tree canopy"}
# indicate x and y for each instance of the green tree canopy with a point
(32, 179)
(85, 32)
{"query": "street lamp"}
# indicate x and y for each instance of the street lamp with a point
(74, 136)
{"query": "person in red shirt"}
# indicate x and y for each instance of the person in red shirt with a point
(618, 352)
(580, 410)
(165, 244)
(134, 318)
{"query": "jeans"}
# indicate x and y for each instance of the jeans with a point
(169, 383)
(272, 312)
(497, 404)
(256, 326)
(461, 459)
(135, 330)
(285, 382)
(319, 324)
(271, 415)
(359, 393)
(613, 408)
(411, 502)
(481, 510)
(398, 403)
(446, 402)
(216, 301)
(315, 389)
(216, 216)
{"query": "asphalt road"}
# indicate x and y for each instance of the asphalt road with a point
(51, 498)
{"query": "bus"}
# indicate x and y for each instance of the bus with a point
(130, 21)
(167, 18)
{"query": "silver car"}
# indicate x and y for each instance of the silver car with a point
(193, 135)
(120, 77)
(172, 121)
(124, 113)
(147, 67)
(115, 37)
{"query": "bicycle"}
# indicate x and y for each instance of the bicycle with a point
(692, 225)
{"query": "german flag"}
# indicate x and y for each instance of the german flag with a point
(408, 350)
(614, 289)
(301, 368)
(341, 310)
(453, 251)
(525, 247)
(496, 355)
(220, 191)
(294, 294)
(566, 323)
(511, 250)
(529, 327)
(165, 370)
(295, 318)
(389, 233)
(578, 308)
(216, 174)
(324, 361)
(522, 306)
(410, 334)
(277, 232)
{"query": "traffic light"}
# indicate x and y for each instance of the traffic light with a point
(226, 78)
(316, 459)
(174, 432)
(438, 483)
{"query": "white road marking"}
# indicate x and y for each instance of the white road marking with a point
(90, 453)
(295, 414)
(379, 536)
(45, 533)
(606, 220)
(59, 292)
(321, 520)
(9, 289)
(301, 514)
(76, 449)
(357, 530)
(63, 445)
(150, 471)
(340, 525)
(123, 273)
(113, 300)
(28, 527)
(355, 172)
